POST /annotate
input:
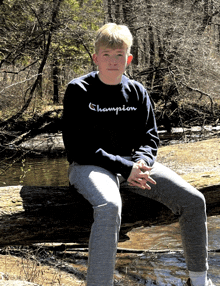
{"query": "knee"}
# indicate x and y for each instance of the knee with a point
(195, 209)
(198, 201)
(110, 211)
(113, 208)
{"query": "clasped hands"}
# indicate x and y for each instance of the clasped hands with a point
(140, 176)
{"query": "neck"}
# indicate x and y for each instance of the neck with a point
(110, 81)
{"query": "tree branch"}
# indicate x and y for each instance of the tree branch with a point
(23, 81)
(33, 63)
(202, 93)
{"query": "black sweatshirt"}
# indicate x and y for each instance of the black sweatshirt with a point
(102, 123)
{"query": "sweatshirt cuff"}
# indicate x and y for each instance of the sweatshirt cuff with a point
(115, 164)
(126, 167)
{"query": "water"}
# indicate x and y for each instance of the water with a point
(160, 258)
(40, 171)
(161, 269)
(162, 261)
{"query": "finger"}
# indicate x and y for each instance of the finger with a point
(145, 167)
(141, 183)
(143, 176)
(152, 181)
(138, 184)
(145, 186)
(146, 176)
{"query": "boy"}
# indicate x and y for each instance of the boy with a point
(110, 136)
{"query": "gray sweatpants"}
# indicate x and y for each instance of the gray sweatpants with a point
(101, 188)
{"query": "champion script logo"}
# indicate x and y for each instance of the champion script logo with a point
(97, 108)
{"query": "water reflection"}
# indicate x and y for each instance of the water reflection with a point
(214, 233)
(167, 268)
(44, 171)
(156, 269)
(154, 238)
(159, 269)
(168, 237)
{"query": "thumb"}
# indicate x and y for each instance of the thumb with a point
(143, 166)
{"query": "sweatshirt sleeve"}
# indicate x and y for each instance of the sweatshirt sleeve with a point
(149, 139)
(79, 144)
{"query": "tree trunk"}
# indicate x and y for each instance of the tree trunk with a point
(109, 16)
(59, 214)
(118, 13)
(40, 69)
(55, 68)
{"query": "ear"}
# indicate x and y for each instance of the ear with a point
(95, 60)
(129, 60)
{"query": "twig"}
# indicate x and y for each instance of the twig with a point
(84, 248)
(36, 75)
(4, 71)
(202, 93)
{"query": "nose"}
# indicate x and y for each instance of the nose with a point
(113, 60)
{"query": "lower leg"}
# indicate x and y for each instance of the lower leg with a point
(187, 202)
(103, 245)
(193, 224)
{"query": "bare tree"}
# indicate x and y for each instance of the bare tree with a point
(173, 41)
(43, 44)
(47, 43)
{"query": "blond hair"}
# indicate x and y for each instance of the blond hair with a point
(113, 36)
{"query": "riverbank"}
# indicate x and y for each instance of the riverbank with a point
(198, 162)
(192, 154)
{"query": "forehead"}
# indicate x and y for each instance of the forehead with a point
(104, 49)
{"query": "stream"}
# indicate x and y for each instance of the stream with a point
(158, 256)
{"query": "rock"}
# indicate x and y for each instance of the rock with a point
(45, 143)
(60, 214)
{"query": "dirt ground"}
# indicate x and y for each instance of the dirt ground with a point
(33, 269)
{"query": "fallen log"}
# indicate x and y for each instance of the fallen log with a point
(59, 214)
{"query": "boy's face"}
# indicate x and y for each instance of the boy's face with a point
(112, 64)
